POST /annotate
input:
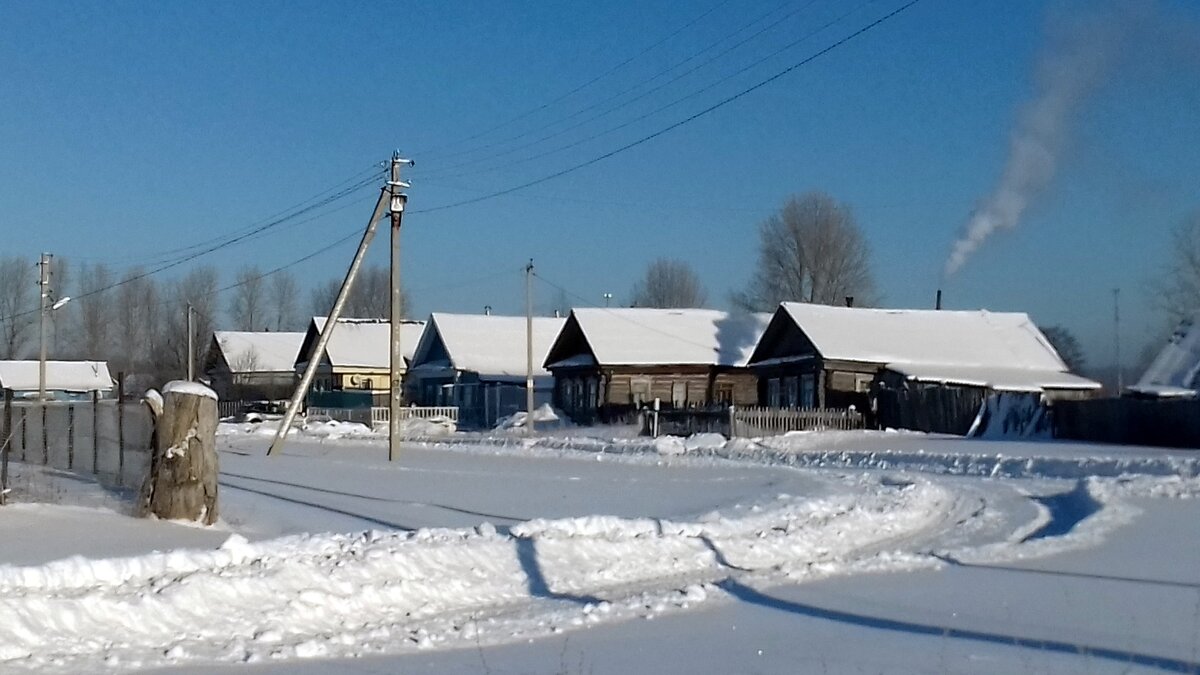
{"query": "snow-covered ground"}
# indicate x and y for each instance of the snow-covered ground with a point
(830, 552)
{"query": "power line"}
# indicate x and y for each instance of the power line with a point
(578, 88)
(719, 104)
(623, 104)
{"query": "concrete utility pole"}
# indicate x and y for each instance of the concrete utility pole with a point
(191, 349)
(529, 347)
(397, 200)
(314, 358)
(44, 312)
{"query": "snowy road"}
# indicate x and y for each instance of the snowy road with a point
(460, 555)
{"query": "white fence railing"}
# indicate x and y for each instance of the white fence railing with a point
(379, 415)
(749, 422)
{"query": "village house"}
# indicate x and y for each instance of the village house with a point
(65, 380)
(477, 362)
(251, 365)
(1175, 371)
(609, 362)
(355, 370)
(818, 356)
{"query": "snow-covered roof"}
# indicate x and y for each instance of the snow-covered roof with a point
(919, 336)
(488, 344)
(365, 343)
(644, 336)
(60, 376)
(1176, 369)
(999, 379)
(259, 352)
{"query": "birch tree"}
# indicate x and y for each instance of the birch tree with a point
(247, 308)
(17, 305)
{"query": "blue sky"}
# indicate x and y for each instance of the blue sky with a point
(132, 127)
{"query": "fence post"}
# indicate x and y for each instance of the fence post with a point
(70, 436)
(95, 432)
(8, 434)
(120, 428)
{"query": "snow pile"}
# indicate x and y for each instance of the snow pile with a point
(1013, 415)
(333, 429)
(189, 389)
(544, 417)
(346, 595)
(415, 427)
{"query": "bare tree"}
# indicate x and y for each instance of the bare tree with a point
(370, 298)
(283, 301)
(668, 283)
(17, 305)
(136, 327)
(199, 289)
(1067, 346)
(93, 313)
(812, 250)
(247, 309)
(1178, 289)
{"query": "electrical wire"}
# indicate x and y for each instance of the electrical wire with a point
(675, 125)
(577, 89)
(623, 104)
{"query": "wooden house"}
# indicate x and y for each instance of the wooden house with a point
(355, 369)
(65, 380)
(609, 362)
(246, 365)
(818, 356)
(478, 363)
(1175, 371)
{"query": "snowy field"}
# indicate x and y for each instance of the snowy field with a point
(823, 552)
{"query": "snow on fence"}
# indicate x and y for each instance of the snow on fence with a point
(379, 415)
(749, 422)
(105, 440)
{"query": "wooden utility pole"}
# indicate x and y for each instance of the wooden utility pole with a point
(43, 312)
(1117, 339)
(529, 347)
(191, 348)
(314, 358)
(396, 355)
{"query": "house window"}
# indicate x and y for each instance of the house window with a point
(790, 393)
(807, 391)
(773, 392)
(725, 393)
(592, 391)
(367, 383)
(679, 394)
(639, 390)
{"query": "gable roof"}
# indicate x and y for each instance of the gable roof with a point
(60, 376)
(645, 336)
(895, 336)
(361, 343)
(1176, 369)
(487, 344)
(258, 352)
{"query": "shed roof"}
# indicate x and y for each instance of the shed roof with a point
(1176, 369)
(60, 376)
(488, 344)
(999, 379)
(918, 336)
(362, 343)
(259, 352)
(645, 336)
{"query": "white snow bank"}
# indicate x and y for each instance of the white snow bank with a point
(543, 415)
(346, 595)
(189, 389)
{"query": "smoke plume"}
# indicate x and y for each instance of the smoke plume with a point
(1073, 63)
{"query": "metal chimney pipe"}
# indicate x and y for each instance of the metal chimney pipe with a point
(487, 310)
(938, 303)
(849, 300)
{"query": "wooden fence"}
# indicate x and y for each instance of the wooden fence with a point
(378, 415)
(1168, 423)
(106, 439)
(750, 422)
(943, 410)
